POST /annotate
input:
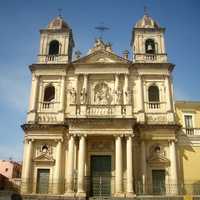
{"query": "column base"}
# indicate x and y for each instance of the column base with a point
(69, 194)
(119, 195)
(130, 194)
(80, 194)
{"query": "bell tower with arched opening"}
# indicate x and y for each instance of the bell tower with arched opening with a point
(56, 42)
(148, 41)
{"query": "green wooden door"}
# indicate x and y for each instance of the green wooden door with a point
(158, 181)
(43, 181)
(100, 175)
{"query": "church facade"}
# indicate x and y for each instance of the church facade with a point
(101, 124)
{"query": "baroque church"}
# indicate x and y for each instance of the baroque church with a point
(101, 124)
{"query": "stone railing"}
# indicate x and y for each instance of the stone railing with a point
(100, 110)
(150, 58)
(48, 106)
(192, 131)
(52, 59)
(155, 107)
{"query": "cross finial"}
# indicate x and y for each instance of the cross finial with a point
(145, 10)
(102, 28)
(60, 12)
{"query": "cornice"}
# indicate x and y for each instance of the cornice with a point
(29, 127)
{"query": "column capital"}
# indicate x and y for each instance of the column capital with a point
(129, 136)
(118, 135)
(81, 135)
(59, 140)
(170, 141)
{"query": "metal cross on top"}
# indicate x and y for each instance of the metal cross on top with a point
(60, 12)
(145, 10)
(102, 28)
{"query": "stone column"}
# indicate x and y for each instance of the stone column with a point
(129, 163)
(140, 95)
(143, 166)
(173, 168)
(83, 98)
(125, 92)
(62, 94)
(85, 81)
(70, 171)
(168, 95)
(81, 167)
(116, 86)
(26, 176)
(57, 173)
(118, 167)
(34, 93)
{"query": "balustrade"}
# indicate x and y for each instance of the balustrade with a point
(192, 131)
(100, 110)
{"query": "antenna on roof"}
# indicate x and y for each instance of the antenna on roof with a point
(102, 28)
(60, 12)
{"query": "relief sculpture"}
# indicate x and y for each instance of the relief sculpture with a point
(102, 94)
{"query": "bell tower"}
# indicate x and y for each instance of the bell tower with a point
(56, 42)
(148, 41)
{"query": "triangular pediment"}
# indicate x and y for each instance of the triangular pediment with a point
(43, 158)
(102, 56)
(158, 160)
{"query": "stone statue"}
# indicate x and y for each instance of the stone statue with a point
(118, 94)
(128, 96)
(73, 96)
(83, 95)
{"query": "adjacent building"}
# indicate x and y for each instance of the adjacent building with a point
(104, 125)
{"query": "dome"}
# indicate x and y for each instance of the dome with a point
(146, 22)
(58, 23)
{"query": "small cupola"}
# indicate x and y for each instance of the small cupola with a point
(56, 42)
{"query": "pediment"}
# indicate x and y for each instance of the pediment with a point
(102, 56)
(44, 158)
(158, 161)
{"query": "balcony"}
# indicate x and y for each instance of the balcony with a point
(52, 59)
(101, 110)
(152, 107)
(150, 58)
(48, 112)
(48, 106)
(191, 131)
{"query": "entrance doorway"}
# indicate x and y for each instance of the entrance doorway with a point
(100, 175)
(158, 181)
(42, 181)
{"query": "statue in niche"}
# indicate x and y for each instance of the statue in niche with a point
(102, 95)
(83, 96)
(73, 96)
(118, 94)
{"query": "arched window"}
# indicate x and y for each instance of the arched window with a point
(153, 93)
(54, 47)
(150, 46)
(49, 93)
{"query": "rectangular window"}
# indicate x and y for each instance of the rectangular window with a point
(188, 121)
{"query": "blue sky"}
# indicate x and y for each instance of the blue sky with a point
(19, 38)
